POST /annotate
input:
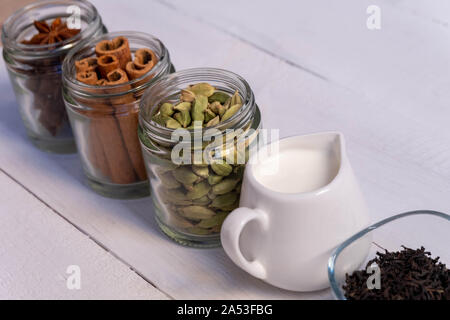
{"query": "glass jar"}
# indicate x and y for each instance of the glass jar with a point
(104, 119)
(35, 70)
(173, 200)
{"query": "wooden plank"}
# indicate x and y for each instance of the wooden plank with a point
(37, 246)
(401, 67)
(402, 162)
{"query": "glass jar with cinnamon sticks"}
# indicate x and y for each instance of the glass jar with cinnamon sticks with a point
(36, 40)
(104, 80)
(197, 128)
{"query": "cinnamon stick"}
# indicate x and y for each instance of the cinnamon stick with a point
(106, 64)
(86, 64)
(102, 82)
(95, 151)
(117, 159)
(87, 77)
(107, 151)
(127, 117)
(114, 122)
(117, 77)
(144, 61)
(118, 47)
(145, 57)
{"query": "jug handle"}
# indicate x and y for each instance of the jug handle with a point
(230, 234)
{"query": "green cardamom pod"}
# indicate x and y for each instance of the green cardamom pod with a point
(219, 96)
(198, 231)
(177, 116)
(214, 179)
(231, 112)
(221, 110)
(199, 190)
(185, 176)
(209, 115)
(196, 212)
(224, 201)
(213, 122)
(185, 117)
(160, 119)
(236, 99)
(227, 104)
(215, 229)
(172, 124)
(214, 107)
(175, 196)
(168, 181)
(221, 168)
(199, 163)
(187, 95)
(164, 168)
(195, 125)
(204, 89)
(166, 109)
(188, 187)
(200, 105)
(203, 201)
(217, 220)
(179, 202)
(212, 195)
(201, 171)
(224, 186)
(183, 106)
(180, 222)
(231, 207)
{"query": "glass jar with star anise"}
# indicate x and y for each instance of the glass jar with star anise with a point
(36, 40)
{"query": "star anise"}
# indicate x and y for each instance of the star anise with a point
(58, 31)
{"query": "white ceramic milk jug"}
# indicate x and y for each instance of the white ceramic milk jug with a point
(296, 206)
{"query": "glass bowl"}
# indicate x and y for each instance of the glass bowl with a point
(415, 229)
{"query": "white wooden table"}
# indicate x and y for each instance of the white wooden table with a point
(313, 66)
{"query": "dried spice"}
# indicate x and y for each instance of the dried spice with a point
(198, 197)
(404, 275)
(44, 79)
(114, 147)
(200, 102)
(48, 100)
(57, 31)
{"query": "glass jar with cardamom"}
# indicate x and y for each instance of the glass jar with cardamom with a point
(36, 40)
(196, 129)
(103, 82)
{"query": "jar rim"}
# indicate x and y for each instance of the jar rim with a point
(92, 91)
(13, 46)
(192, 76)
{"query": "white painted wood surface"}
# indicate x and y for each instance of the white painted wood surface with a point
(313, 65)
(38, 246)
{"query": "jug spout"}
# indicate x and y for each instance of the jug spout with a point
(334, 144)
(332, 159)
